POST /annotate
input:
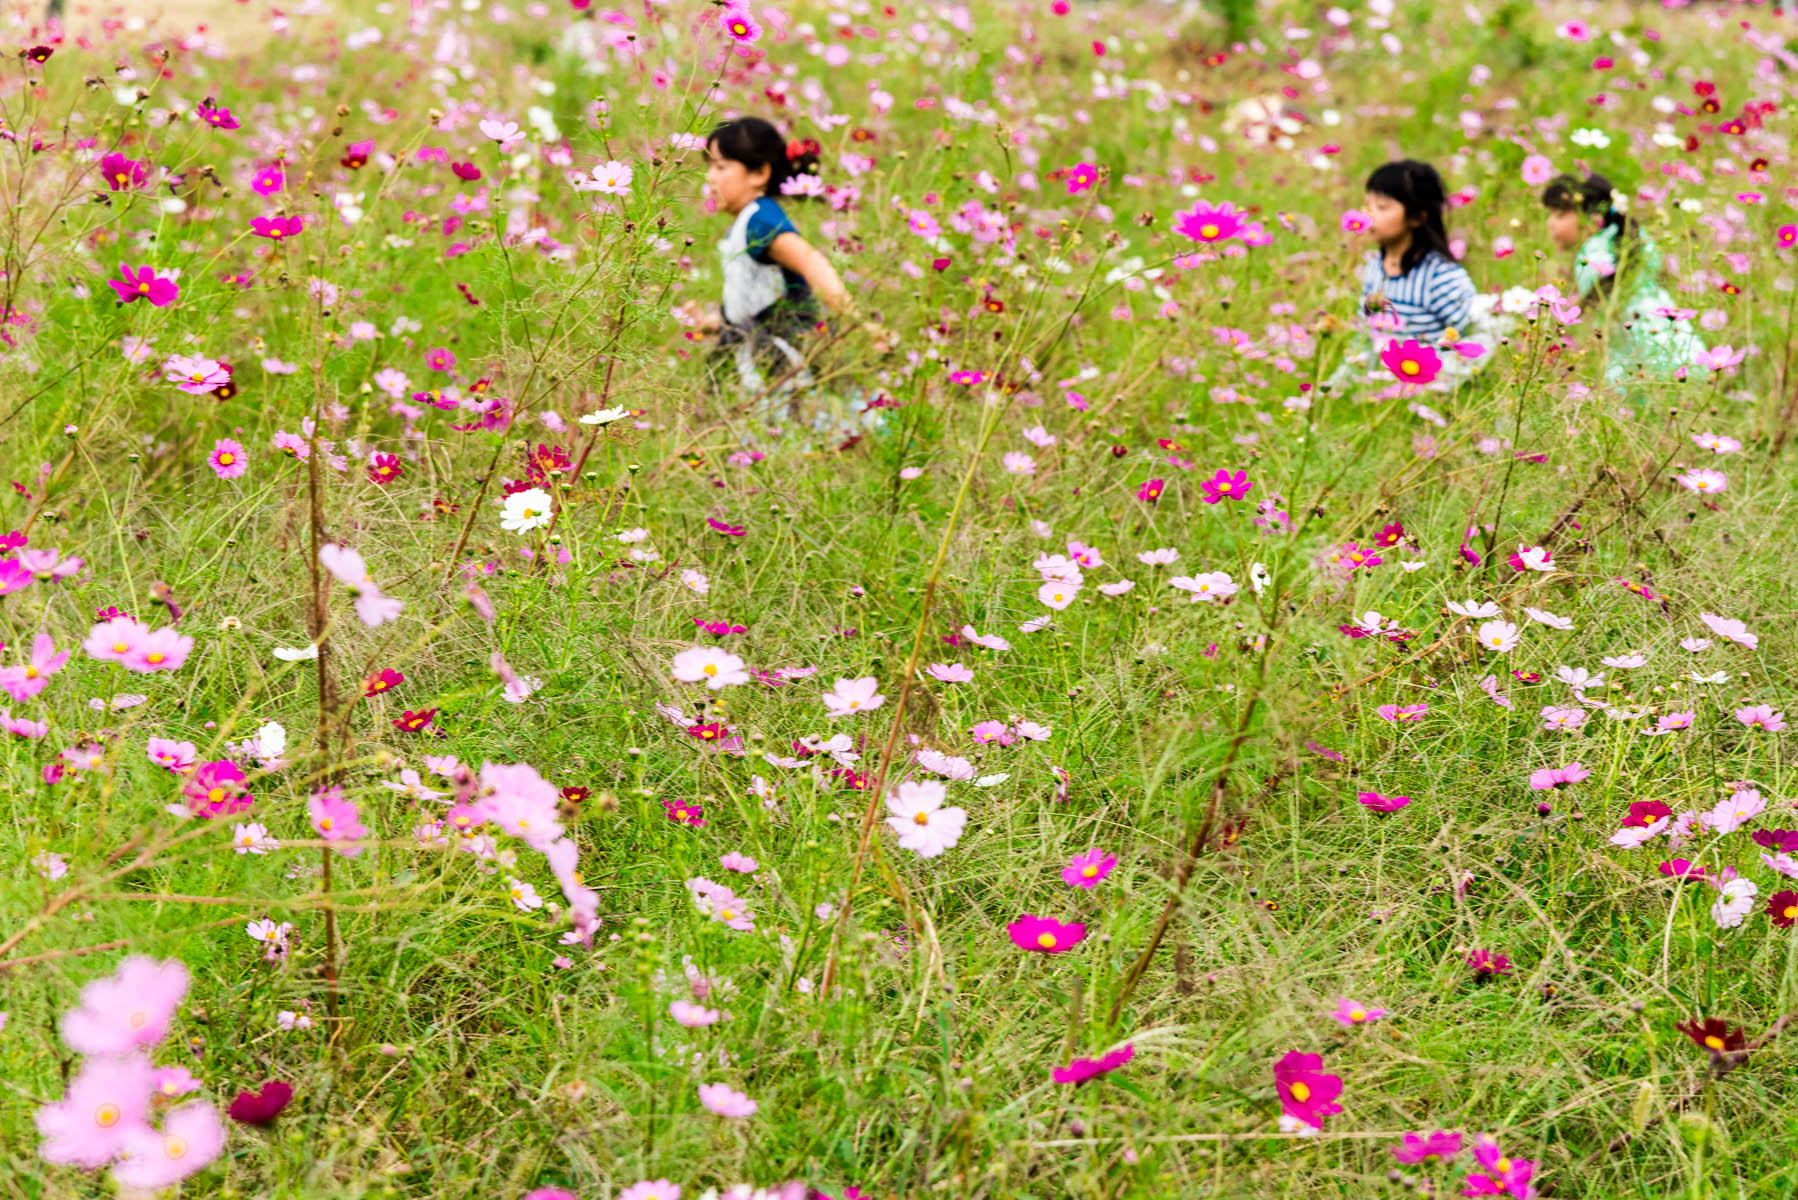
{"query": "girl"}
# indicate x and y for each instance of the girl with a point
(1412, 287)
(773, 277)
(1619, 268)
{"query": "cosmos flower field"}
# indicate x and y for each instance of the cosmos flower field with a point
(1127, 726)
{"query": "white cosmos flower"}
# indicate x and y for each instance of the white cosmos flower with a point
(525, 511)
(1543, 617)
(1478, 610)
(921, 821)
(1500, 636)
(1735, 903)
(711, 666)
(606, 416)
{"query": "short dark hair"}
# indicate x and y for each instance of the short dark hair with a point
(1418, 187)
(757, 143)
(1592, 195)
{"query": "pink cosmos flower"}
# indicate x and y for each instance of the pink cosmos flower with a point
(949, 673)
(738, 862)
(106, 1101)
(157, 650)
(336, 820)
(1427, 1147)
(33, 676)
(227, 459)
(1083, 1069)
(1381, 803)
(165, 752)
(1402, 713)
(1348, 1013)
(216, 789)
(1226, 485)
(1730, 629)
(21, 726)
(1081, 176)
(195, 374)
(1151, 491)
(1484, 962)
(1307, 1094)
(1044, 934)
(122, 174)
(721, 1099)
(1355, 221)
(1538, 170)
(269, 180)
(648, 1189)
(693, 1016)
(1089, 869)
(1209, 224)
(852, 697)
(1504, 1176)
(276, 228)
(740, 26)
(143, 283)
(127, 1011)
(1762, 716)
(191, 1138)
(1550, 778)
(1411, 361)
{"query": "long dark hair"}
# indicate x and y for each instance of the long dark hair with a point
(756, 144)
(1592, 197)
(1418, 187)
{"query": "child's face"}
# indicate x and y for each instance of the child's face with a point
(1564, 226)
(1387, 221)
(732, 184)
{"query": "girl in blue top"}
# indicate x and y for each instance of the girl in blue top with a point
(773, 277)
(1412, 287)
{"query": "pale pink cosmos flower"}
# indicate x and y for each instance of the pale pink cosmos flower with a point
(191, 1138)
(1631, 836)
(1704, 481)
(129, 1010)
(21, 726)
(158, 650)
(195, 374)
(1057, 594)
(49, 564)
(106, 1101)
(1762, 716)
(739, 862)
(711, 666)
(949, 672)
(1157, 558)
(1730, 629)
(336, 820)
(1729, 815)
(851, 697)
(175, 756)
(920, 819)
(693, 1016)
(1554, 718)
(648, 1189)
(111, 641)
(991, 641)
(33, 676)
(721, 1099)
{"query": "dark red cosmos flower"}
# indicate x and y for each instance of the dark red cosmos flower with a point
(1782, 908)
(1391, 535)
(851, 780)
(386, 681)
(552, 460)
(1714, 1035)
(383, 469)
(1780, 841)
(467, 172)
(261, 1107)
(356, 155)
(415, 722)
(38, 54)
(575, 794)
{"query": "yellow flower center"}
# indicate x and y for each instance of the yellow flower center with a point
(728, 914)
(155, 657)
(1208, 231)
(139, 1019)
(921, 819)
(711, 668)
(106, 1116)
(214, 795)
(1301, 1092)
(1502, 1165)
(1713, 1041)
(120, 647)
(1357, 1014)
(31, 672)
(1409, 367)
(855, 704)
(325, 824)
(143, 287)
(1046, 940)
(1791, 912)
(1090, 872)
(121, 177)
(227, 458)
(174, 1147)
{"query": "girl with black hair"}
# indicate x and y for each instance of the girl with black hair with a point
(773, 277)
(1616, 265)
(1412, 287)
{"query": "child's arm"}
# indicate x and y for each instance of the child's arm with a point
(799, 256)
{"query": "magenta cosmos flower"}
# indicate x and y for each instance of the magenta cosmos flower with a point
(1209, 224)
(336, 819)
(1484, 962)
(1086, 870)
(276, 228)
(1081, 176)
(1411, 361)
(739, 26)
(1226, 485)
(227, 459)
(129, 1010)
(122, 174)
(106, 1101)
(216, 789)
(1083, 1069)
(263, 1106)
(1381, 803)
(1307, 1094)
(143, 283)
(1151, 491)
(1504, 1176)
(1044, 934)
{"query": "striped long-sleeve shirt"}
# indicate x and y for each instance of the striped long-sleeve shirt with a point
(1432, 296)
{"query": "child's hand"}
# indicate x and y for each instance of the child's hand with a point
(703, 317)
(880, 336)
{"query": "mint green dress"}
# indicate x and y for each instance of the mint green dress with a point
(1644, 343)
